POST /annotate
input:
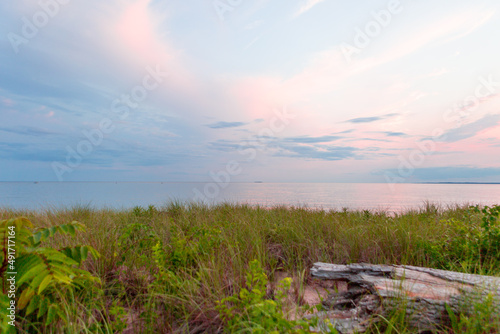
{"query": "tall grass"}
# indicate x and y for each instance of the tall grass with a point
(164, 269)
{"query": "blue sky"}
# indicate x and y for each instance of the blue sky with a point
(271, 90)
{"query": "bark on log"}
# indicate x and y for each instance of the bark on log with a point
(375, 289)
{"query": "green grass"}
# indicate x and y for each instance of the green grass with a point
(164, 270)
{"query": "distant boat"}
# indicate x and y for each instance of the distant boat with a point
(257, 182)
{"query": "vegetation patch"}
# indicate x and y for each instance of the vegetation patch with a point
(190, 268)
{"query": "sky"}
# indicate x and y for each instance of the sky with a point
(238, 90)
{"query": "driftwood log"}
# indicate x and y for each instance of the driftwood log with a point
(364, 292)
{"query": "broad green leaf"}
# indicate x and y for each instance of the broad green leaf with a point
(55, 255)
(35, 283)
(36, 238)
(45, 234)
(45, 283)
(51, 314)
(70, 229)
(62, 278)
(27, 261)
(43, 307)
(33, 305)
(25, 297)
(84, 253)
(30, 273)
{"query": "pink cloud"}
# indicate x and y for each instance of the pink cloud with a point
(133, 37)
(136, 34)
(328, 72)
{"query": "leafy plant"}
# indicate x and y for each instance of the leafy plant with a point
(476, 317)
(119, 314)
(34, 278)
(489, 233)
(471, 244)
(137, 238)
(139, 211)
(168, 293)
(186, 248)
(169, 281)
(249, 310)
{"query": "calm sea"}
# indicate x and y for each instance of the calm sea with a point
(371, 196)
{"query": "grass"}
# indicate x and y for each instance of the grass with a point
(165, 270)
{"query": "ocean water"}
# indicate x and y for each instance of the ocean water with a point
(366, 196)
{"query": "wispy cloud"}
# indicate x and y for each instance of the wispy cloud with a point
(253, 25)
(368, 139)
(312, 140)
(328, 153)
(370, 119)
(27, 131)
(224, 125)
(395, 134)
(471, 129)
(454, 26)
(365, 119)
(328, 69)
(224, 145)
(305, 7)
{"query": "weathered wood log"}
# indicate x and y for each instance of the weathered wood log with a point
(373, 290)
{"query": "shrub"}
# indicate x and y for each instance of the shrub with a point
(36, 279)
(249, 310)
(472, 243)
